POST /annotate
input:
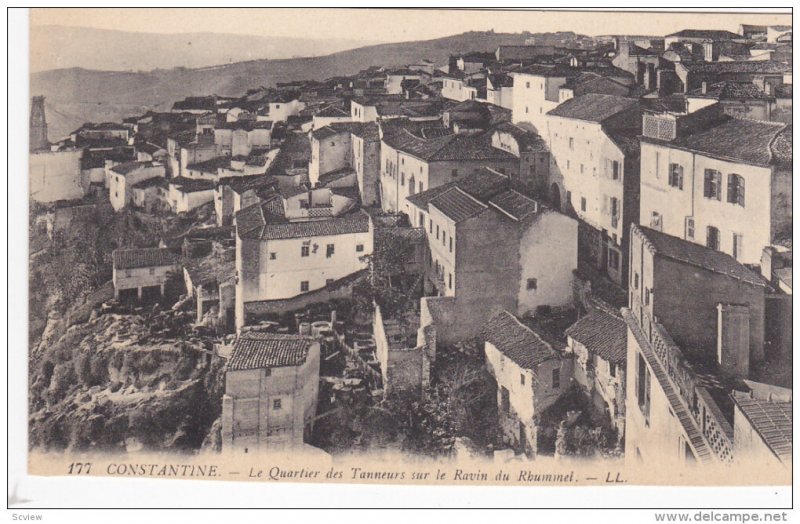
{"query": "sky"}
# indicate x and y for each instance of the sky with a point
(389, 25)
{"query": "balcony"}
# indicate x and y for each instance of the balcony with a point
(710, 434)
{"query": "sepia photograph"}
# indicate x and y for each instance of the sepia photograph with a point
(410, 247)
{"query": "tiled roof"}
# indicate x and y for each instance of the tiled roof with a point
(517, 341)
(157, 181)
(206, 103)
(772, 420)
(130, 167)
(332, 111)
(527, 138)
(602, 334)
(748, 141)
(255, 350)
(211, 165)
(712, 34)
(457, 205)
(696, 255)
(253, 224)
(332, 176)
(751, 66)
(246, 125)
(514, 204)
(593, 107)
(191, 185)
(446, 148)
(240, 184)
(730, 91)
(132, 258)
(482, 185)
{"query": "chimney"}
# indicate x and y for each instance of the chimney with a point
(733, 339)
(766, 262)
(704, 87)
(333, 317)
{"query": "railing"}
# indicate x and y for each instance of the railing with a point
(704, 410)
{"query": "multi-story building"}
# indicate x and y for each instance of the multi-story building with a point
(351, 149)
(695, 322)
(536, 90)
(594, 172)
(411, 164)
(123, 177)
(599, 342)
(530, 373)
(533, 249)
(271, 385)
(532, 151)
(288, 247)
(717, 181)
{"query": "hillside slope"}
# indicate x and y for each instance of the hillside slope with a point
(76, 95)
(60, 47)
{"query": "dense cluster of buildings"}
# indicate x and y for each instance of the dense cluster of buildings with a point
(655, 167)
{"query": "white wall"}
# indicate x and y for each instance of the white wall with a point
(548, 253)
(674, 205)
(56, 175)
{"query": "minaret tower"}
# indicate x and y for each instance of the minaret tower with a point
(38, 131)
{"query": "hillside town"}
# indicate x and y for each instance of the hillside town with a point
(577, 247)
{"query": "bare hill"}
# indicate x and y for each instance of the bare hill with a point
(76, 95)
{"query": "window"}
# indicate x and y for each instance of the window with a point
(614, 211)
(152, 270)
(612, 369)
(556, 378)
(421, 219)
(437, 231)
(329, 251)
(430, 224)
(444, 238)
(635, 280)
(581, 168)
(451, 243)
(676, 175)
(304, 251)
(411, 186)
(359, 248)
(658, 164)
(655, 221)
(526, 109)
(615, 170)
(738, 245)
(712, 237)
(450, 280)
(276, 403)
(522, 378)
(646, 297)
(454, 172)
(527, 85)
(643, 387)
(690, 228)
(736, 189)
(304, 286)
(421, 185)
(333, 144)
(583, 204)
(273, 255)
(712, 183)
(613, 259)
(533, 284)
(571, 143)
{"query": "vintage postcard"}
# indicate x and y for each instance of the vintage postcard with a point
(433, 247)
